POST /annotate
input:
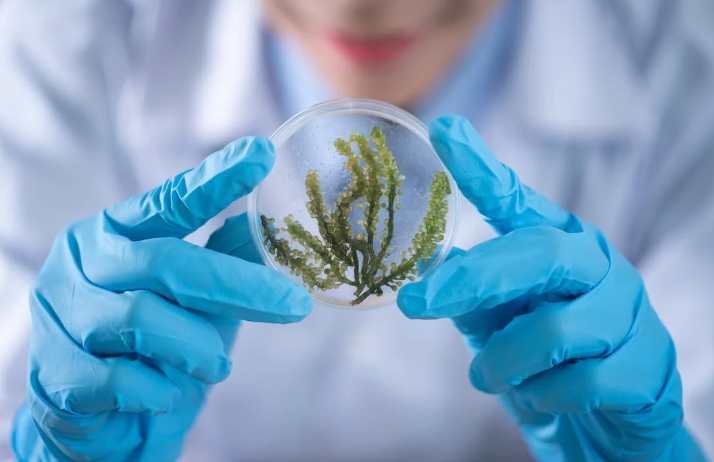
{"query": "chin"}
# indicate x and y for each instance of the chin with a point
(369, 89)
(376, 90)
(392, 82)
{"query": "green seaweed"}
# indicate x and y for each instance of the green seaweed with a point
(338, 255)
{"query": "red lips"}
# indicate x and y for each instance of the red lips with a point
(370, 50)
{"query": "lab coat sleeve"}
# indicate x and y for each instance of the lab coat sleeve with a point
(677, 256)
(62, 70)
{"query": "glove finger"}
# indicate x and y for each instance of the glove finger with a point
(76, 436)
(139, 322)
(185, 202)
(537, 261)
(234, 238)
(148, 325)
(75, 381)
(490, 185)
(455, 252)
(593, 325)
(115, 384)
(639, 375)
(538, 341)
(478, 325)
(192, 277)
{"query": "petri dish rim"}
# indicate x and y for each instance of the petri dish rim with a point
(369, 107)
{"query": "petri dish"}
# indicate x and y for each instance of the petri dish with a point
(306, 147)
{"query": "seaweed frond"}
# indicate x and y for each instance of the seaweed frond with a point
(338, 255)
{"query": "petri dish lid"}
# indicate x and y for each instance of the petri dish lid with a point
(306, 143)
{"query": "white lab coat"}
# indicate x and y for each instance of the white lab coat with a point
(607, 109)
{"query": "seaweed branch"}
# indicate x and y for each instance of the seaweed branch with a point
(339, 255)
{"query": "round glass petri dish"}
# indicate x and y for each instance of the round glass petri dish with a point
(309, 169)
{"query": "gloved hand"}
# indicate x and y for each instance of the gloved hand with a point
(130, 323)
(560, 322)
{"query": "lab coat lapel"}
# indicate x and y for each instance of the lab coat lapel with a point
(203, 83)
(236, 94)
(572, 79)
(574, 110)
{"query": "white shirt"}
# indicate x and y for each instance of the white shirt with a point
(606, 108)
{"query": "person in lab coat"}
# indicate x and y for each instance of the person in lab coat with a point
(602, 107)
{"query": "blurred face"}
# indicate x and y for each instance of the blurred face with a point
(393, 50)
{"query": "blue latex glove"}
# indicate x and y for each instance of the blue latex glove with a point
(130, 323)
(559, 321)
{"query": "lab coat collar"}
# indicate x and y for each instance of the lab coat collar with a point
(572, 76)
